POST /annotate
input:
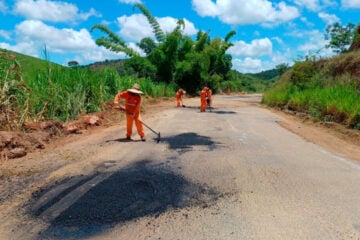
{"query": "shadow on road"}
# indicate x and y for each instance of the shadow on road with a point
(139, 190)
(191, 107)
(187, 141)
(124, 140)
(211, 110)
(222, 112)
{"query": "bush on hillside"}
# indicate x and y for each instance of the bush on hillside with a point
(327, 90)
(302, 73)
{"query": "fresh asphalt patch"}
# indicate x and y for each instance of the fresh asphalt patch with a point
(141, 189)
(188, 141)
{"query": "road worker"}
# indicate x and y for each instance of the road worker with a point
(209, 97)
(203, 96)
(132, 98)
(179, 95)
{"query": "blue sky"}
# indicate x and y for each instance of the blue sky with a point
(269, 33)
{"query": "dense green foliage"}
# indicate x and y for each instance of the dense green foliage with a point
(340, 37)
(355, 45)
(174, 57)
(328, 90)
(248, 83)
(36, 90)
(59, 93)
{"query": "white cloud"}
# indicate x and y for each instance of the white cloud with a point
(247, 65)
(350, 3)
(281, 57)
(130, 1)
(168, 24)
(297, 33)
(315, 5)
(136, 27)
(329, 19)
(98, 54)
(254, 65)
(57, 40)
(206, 8)
(5, 34)
(315, 44)
(23, 47)
(34, 35)
(51, 11)
(257, 47)
(238, 12)
(278, 40)
(309, 24)
(3, 7)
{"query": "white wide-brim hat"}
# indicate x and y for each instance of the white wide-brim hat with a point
(135, 89)
(132, 90)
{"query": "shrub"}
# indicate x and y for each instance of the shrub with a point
(301, 74)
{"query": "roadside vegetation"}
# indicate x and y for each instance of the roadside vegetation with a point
(326, 89)
(174, 58)
(35, 90)
(53, 92)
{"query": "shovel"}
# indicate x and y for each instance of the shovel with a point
(157, 133)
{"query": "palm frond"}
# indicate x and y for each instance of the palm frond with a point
(159, 34)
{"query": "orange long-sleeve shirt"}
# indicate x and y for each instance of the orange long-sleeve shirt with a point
(132, 101)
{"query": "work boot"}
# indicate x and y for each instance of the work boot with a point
(143, 138)
(128, 138)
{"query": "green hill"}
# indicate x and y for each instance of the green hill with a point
(326, 89)
(32, 89)
(30, 66)
(266, 75)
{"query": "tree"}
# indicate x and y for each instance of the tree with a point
(73, 63)
(147, 45)
(282, 68)
(175, 57)
(113, 42)
(340, 37)
(159, 34)
(356, 41)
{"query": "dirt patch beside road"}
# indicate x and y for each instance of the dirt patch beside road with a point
(332, 136)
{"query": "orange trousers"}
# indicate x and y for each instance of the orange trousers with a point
(203, 104)
(129, 124)
(178, 101)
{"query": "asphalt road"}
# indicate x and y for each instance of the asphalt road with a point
(229, 173)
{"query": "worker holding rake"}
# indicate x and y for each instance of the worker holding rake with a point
(203, 97)
(132, 98)
(179, 95)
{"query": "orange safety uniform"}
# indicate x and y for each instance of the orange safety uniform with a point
(209, 97)
(179, 95)
(132, 109)
(203, 96)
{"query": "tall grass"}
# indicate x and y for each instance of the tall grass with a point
(156, 90)
(319, 92)
(61, 93)
(13, 111)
